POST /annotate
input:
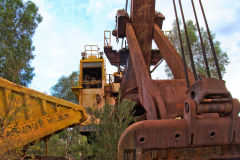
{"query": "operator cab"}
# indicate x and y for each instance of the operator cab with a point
(92, 77)
(92, 73)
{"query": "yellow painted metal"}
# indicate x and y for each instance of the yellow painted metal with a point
(93, 97)
(91, 59)
(29, 115)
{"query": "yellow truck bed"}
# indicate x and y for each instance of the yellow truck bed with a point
(27, 115)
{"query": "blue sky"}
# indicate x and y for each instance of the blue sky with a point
(70, 24)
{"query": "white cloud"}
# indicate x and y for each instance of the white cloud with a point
(232, 75)
(58, 49)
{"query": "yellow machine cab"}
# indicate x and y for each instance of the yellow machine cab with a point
(93, 89)
(92, 70)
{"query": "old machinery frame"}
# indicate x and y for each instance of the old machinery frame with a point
(186, 117)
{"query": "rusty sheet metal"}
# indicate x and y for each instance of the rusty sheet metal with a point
(158, 19)
(121, 19)
(120, 57)
(142, 18)
(170, 55)
(35, 115)
(191, 131)
(116, 57)
(173, 93)
(211, 96)
(197, 153)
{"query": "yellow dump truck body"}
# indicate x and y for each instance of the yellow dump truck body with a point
(27, 115)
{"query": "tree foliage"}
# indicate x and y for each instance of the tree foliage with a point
(63, 87)
(68, 143)
(18, 22)
(197, 50)
(111, 122)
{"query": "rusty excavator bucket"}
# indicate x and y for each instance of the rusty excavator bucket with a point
(187, 117)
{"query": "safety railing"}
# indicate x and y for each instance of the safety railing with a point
(92, 51)
(92, 84)
(110, 78)
(107, 38)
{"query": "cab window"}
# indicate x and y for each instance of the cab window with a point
(92, 76)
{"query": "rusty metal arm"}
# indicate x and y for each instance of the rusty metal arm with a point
(170, 55)
(148, 94)
(156, 66)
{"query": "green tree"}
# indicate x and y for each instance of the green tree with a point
(111, 122)
(74, 143)
(63, 87)
(197, 50)
(18, 22)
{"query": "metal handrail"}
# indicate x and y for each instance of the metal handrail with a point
(110, 78)
(91, 50)
(107, 39)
